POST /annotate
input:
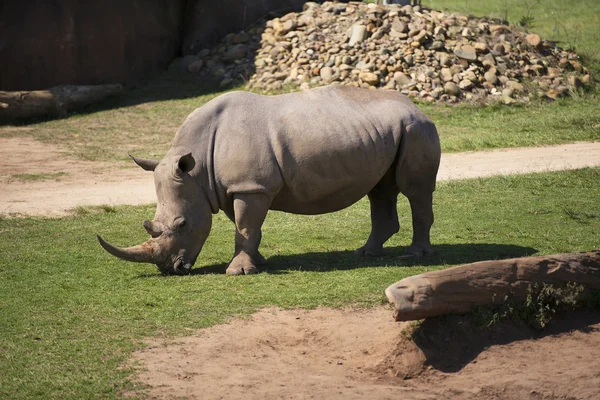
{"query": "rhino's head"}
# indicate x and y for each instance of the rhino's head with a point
(182, 221)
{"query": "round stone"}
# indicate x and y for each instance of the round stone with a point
(451, 89)
(326, 73)
(369, 78)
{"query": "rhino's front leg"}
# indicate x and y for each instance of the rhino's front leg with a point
(250, 211)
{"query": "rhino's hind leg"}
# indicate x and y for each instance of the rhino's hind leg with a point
(250, 211)
(422, 219)
(384, 216)
(419, 192)
(416, 175)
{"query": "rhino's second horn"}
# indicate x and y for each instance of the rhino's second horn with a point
(146, 252)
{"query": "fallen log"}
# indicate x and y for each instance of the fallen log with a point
(458, 289)
(55, 102)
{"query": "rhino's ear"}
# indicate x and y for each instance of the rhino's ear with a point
(186, 163)
(146, 164)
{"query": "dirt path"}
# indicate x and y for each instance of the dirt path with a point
(89, 183)
(519, 161)
(69, 183)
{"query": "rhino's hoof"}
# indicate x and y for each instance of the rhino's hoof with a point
(234, 271)
(364, 252)
(416, 253)
(242, 270)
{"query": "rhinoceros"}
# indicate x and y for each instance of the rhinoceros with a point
(310, 152)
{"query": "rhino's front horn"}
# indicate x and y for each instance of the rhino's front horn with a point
(146, 252)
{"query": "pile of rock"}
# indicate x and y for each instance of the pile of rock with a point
(422, 53)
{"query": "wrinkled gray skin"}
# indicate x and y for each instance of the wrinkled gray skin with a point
(311, 152)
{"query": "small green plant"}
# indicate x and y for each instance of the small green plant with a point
(526, 21)
(543, 301)
(81, 210)
(38, 177)
(108, 209)
(86, 210)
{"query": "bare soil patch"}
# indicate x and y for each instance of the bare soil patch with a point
(364, 354)
(84, 183)
(81, 183)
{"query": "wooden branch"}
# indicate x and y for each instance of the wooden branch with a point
(457, 290)
(55, 102)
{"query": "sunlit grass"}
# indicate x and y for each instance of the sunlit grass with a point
(71, 314)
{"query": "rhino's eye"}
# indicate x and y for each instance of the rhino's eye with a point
(182, 224)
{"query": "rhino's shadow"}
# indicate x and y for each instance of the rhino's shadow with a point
(345, 259)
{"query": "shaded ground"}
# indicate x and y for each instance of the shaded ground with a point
(363, 354)
(80, 183)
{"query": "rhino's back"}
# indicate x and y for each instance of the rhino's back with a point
(315, 151)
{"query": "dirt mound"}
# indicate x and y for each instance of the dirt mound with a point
(363, 354)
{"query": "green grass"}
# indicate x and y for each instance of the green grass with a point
(468, 127)
(38, 177)
(71, 314)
